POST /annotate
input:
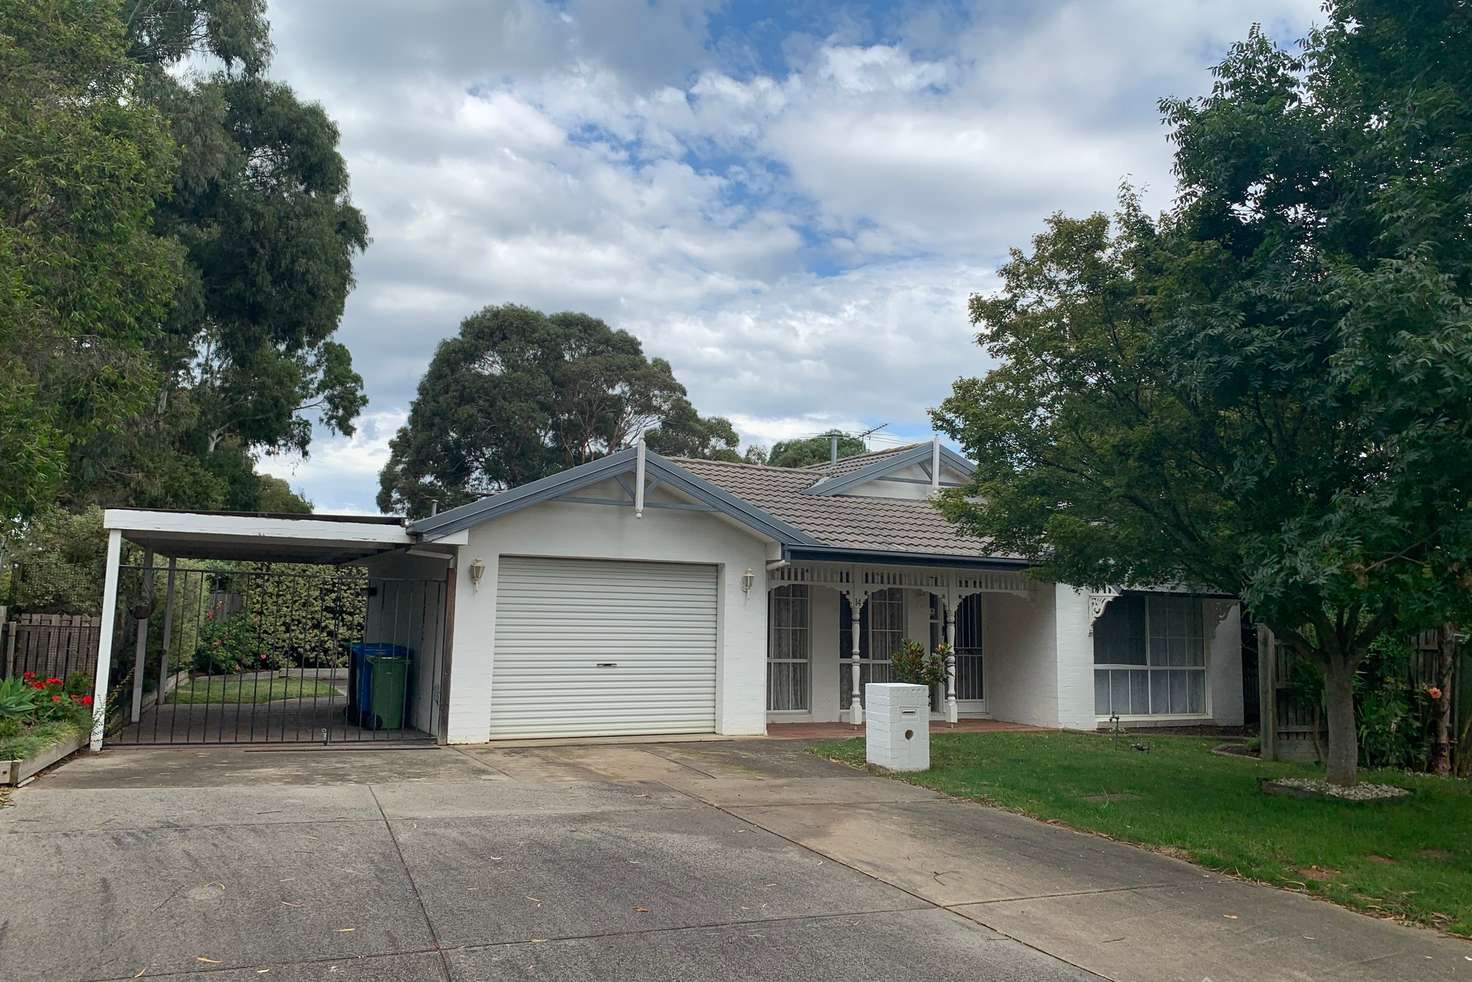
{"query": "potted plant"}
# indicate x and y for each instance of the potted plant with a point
(912, 664)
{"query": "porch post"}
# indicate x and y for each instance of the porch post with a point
(141, 648)
(100, 675)
(855, 706)
(949, 606)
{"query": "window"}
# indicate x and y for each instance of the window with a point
(881, 634)
(1150, 657)
(789, 649)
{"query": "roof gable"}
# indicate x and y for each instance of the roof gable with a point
(573, 479)
(886, 464)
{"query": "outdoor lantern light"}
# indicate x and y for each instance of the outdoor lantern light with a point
(477, 570)
(747, 579)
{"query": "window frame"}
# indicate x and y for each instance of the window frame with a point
(1149, 668)
(790, 593)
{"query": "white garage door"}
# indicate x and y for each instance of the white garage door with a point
(592, 647)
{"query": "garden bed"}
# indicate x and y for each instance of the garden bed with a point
(41, 722)
(68, 740)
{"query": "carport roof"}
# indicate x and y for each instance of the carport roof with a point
(330, 539)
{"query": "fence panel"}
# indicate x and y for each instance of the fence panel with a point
(51, 645)
(1291, 730)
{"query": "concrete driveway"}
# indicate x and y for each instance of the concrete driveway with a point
(641, 861)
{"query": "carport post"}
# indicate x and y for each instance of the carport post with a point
(100, 677)
(141, 648)
(163, 658)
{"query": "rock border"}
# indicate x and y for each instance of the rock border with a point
(1317, 789)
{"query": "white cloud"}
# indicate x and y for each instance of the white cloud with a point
(792, 210)
(340, 476)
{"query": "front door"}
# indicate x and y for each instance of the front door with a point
(970, 682)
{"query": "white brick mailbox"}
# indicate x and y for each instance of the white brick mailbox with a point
(897, 726)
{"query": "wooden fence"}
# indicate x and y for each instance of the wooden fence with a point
(50, 645)
(1291, 730)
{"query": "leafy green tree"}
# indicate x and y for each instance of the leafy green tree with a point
(1269, 389)
(812, 450)
(84, 281)
(55, 563)
(685, 433)
(519, 394)
(246, 359)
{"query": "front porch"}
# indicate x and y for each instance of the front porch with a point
(832, 628)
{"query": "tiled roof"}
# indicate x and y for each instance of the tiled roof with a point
(846, 521)
(847, 465)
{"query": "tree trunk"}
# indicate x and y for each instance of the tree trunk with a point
(1441, 749)
(1343, 760)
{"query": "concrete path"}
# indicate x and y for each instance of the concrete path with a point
(652, 861)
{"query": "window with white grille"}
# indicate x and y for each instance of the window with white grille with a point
(1150, 657)
(789, 649)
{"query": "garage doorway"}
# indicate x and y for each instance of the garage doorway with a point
(603, 648)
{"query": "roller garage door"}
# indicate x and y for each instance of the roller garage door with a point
(602, 648)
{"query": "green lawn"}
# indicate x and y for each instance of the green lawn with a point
(1410, 858)
(216, 690)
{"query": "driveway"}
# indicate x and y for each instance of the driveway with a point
(639, 861)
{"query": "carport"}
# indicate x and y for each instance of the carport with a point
(235, 628)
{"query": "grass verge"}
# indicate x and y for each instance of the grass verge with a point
(1410, 858)
(232, 691)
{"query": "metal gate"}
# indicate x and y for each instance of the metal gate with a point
(208, 652)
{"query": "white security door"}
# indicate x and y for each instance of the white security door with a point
(602, 648)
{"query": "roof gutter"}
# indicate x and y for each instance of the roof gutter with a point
(840, 554)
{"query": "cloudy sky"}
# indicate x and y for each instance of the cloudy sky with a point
(790, 201)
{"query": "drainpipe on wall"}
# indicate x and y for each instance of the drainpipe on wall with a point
(935, 464)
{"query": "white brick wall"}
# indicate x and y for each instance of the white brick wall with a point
(1075, 659)
(1019, 646)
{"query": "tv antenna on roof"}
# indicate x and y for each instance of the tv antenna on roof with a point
(834, 434)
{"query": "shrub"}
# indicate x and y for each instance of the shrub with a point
(17, 699)
(231, 644)
(913, 665)
(1393, 717)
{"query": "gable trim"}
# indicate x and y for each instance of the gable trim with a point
(575, 478)
(889, 465)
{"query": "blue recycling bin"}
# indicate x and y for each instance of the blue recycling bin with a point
(361, 681)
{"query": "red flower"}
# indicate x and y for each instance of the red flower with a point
(39, 686)
(56, 698)
(85, 700)
(27, 676)
(1434, 693)
(53, 681)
